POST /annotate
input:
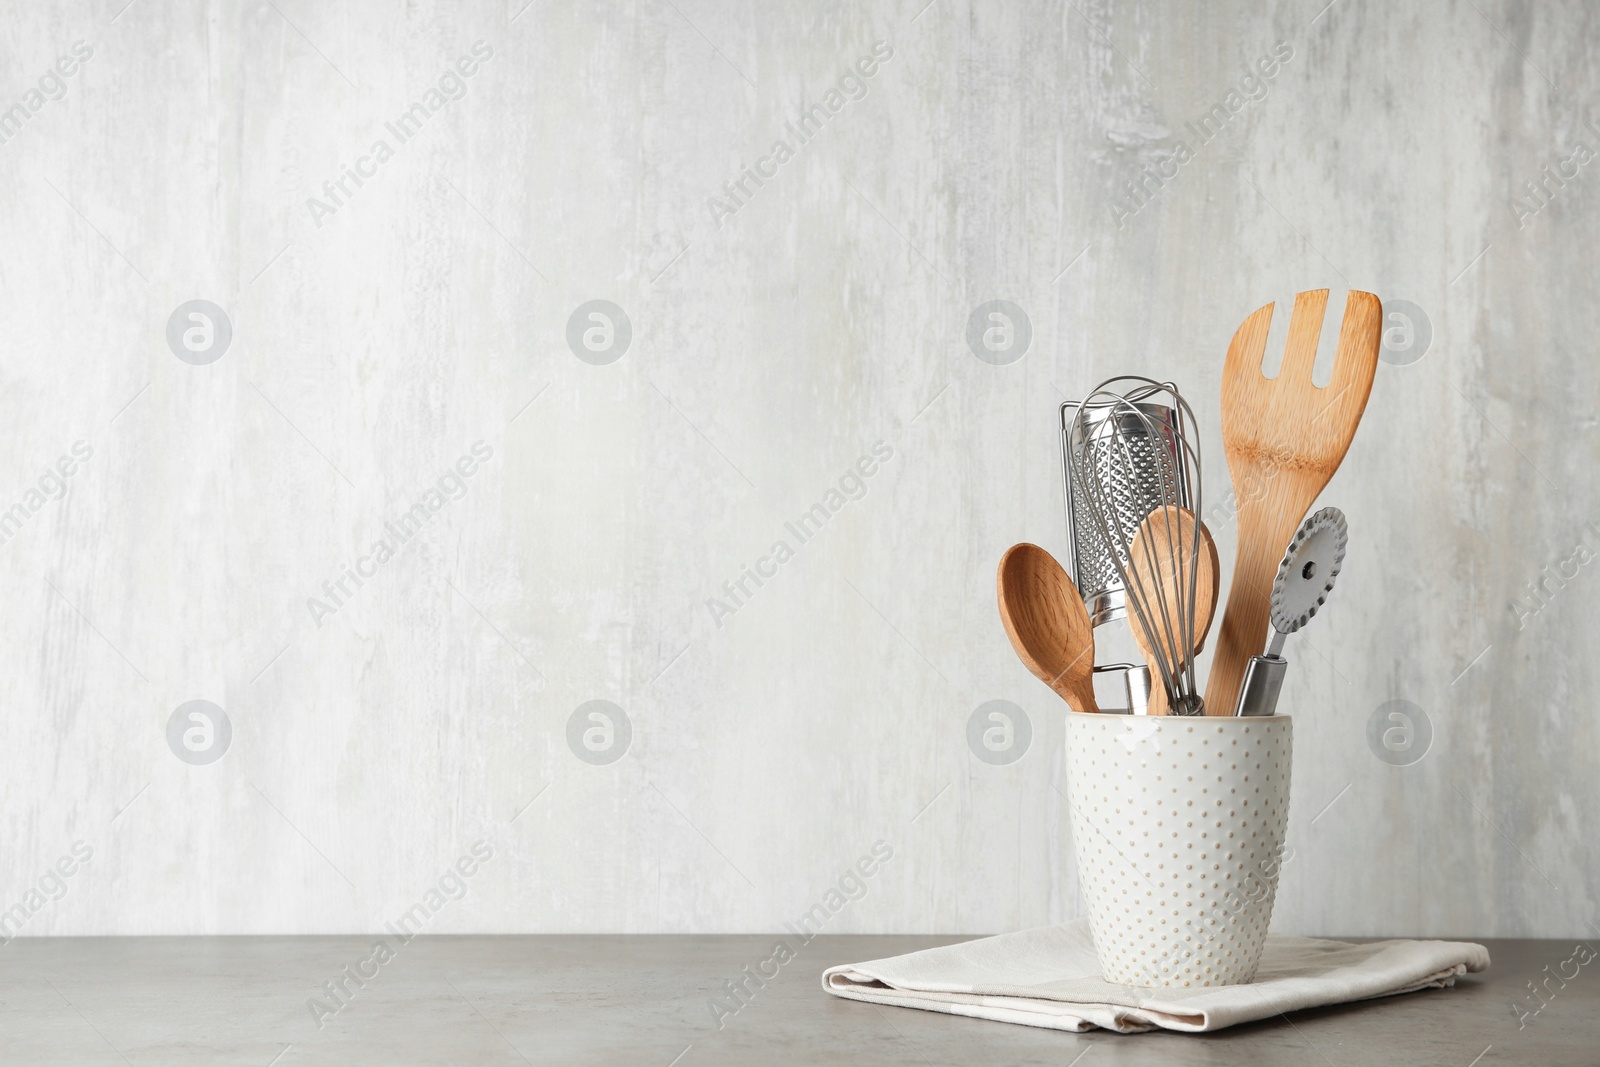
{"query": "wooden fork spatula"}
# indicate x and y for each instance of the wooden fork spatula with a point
(1284, 438)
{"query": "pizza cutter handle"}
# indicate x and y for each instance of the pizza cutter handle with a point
(1263, 680)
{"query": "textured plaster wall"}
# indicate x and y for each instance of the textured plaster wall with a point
(774, 340)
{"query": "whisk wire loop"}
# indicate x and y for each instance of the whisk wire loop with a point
(1134, 461)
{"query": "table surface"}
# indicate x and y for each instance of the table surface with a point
(646, 1000)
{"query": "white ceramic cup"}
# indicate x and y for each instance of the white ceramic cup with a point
(1178, 826)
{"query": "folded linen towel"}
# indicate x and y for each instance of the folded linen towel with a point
(1050, 977)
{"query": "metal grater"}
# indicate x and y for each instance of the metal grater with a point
(1132, 465)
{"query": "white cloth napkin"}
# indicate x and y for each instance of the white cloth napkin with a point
(1050, 977)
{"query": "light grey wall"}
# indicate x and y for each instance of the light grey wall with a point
(771, 347)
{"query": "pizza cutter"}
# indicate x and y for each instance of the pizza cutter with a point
(1305, 578)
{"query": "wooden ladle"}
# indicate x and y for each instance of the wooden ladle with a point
(1161, 566)
(1048, 625)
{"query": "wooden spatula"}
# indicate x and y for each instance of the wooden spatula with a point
(1048, 625)
(1284, 438)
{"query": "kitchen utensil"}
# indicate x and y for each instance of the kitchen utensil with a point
(1132, 450)
(1045, 618)
(1284, 438)
(1133, 472)
(1173, 572)
(1305, 578)
(1122, 688)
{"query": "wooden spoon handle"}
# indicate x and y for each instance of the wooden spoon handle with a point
(1158, 688)
(1076, 687)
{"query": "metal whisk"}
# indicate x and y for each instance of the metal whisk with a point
(1132, 454)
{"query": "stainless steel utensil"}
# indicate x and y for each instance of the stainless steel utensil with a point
(1122, 688)
(1131, 453)
(1305, 578)
(1180, 605)
(1145, 470)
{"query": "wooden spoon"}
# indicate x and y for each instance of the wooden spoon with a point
(1284, 438)
(1160, 569)
(1048, 625)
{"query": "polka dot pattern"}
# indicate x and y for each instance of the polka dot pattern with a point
(1178, 825)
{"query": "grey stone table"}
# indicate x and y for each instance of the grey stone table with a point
(647, 1001)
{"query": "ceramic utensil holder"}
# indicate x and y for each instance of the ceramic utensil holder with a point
(1178, 826)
